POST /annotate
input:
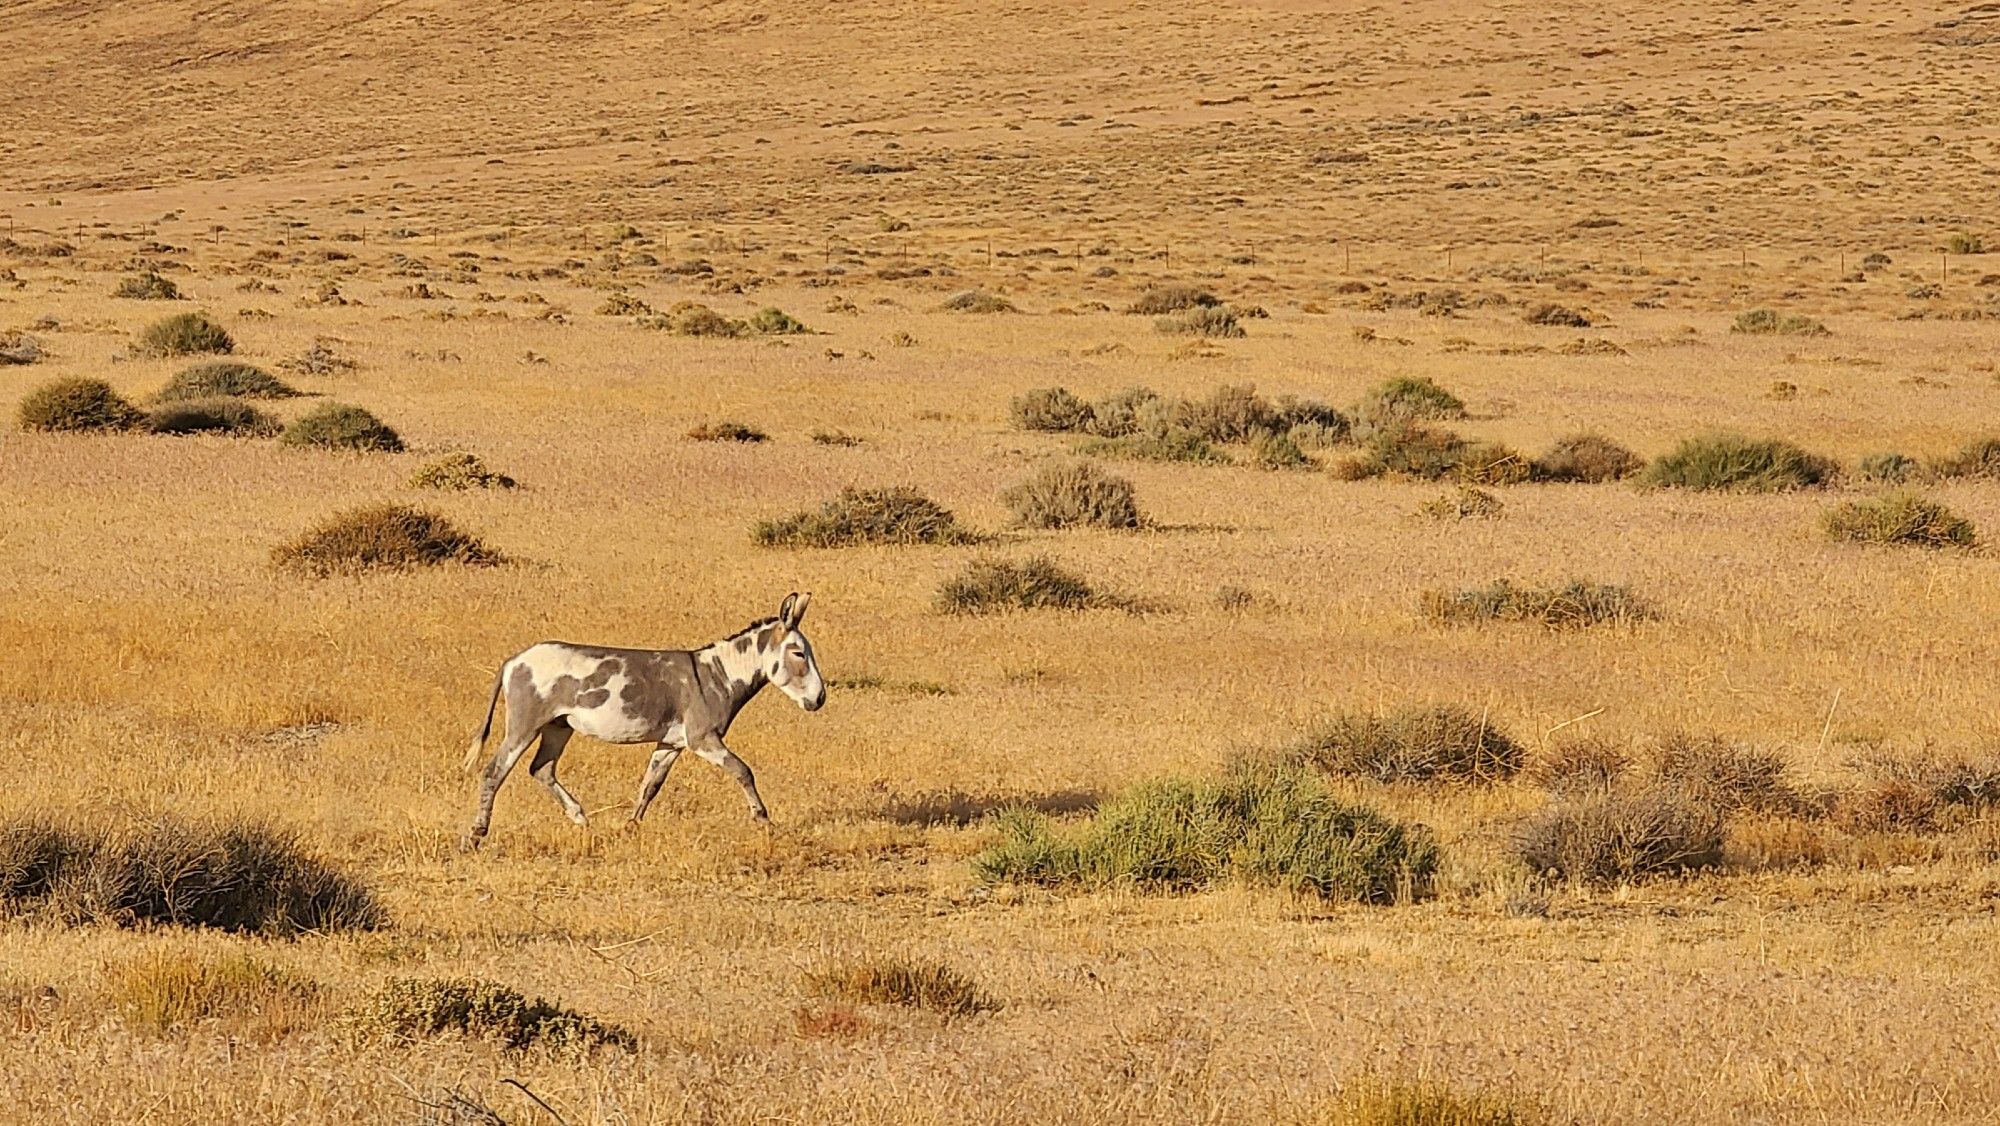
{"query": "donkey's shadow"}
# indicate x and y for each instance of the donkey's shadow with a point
(956, 808)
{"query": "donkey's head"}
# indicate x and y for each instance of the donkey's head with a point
(788, 658)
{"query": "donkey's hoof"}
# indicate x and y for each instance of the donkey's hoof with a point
(470, 842)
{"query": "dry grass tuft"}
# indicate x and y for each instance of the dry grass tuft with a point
(1979, 459)
(1427, 743)
(1421, 1104)
(340, 426)
(1262, 824)
(459, 471)
(1073, 494)
(1587, 458)
(1734, 463)
(1467, 503)
(1621, 835)
(930, 986)
(989, 586)
(77, 404)
(866, 516)
(381, 537)
(977, 301)
(165, 991)
(408, 1009)
(183, 334)
(1919, 794)
(1899, 518)
(726, 431)
(1573, 604)
(229, 876)
(1578, 763)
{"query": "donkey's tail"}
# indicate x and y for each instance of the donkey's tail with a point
(486, 728)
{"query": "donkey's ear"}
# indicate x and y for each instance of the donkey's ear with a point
(799, 611)
(785, 611)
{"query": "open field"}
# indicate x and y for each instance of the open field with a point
(452, 198)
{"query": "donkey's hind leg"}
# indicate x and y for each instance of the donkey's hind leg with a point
(518, 738)
(555, 736)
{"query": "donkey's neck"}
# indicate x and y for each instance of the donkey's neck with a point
(738, 666)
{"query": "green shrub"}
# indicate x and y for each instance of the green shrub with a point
(1587, 458)
(74, 403)
(726, 431)
(1734, 463)
(149, 286)
(978, 301)
(1767, 322)
(1275, 449)
(381, 537)
(233, 877)
(689, 318)
(183, 334)
(1157, 300)
(1073, 494)
(1229, 414)
(218, 378)
(338, 426)
(1054, 409)
(1259, 823)
(1979, 458)
(1573, 604)
(1621, 835)
(1416, 451)
(1899, 518)
(1209, 321)
(1888, 468)
(1174, 445)
(989, 586)
(866, 516)
(1405, 398)
(411, 1008)
(894, 981)
(459, 471)
(212, 416)
(1415, 744)
(773, 321)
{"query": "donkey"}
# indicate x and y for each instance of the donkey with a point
(677, 699)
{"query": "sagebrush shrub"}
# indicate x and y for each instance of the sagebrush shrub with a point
(1119, 413)
(989, 586)
(773, 321)
(1206, 320)
(1173, 445)
(978, 301)
(340, 426)
(410, 1008)
(1275, 449)
(1979, 458)
(1899, 518)
(1259, 823)
(74, 404)
(866, 516)
(1586, 458)
(1550, 314)
(1621, 834)
(1572, 604)
(1726, 775)
(726, 431)
(381, 537)
(1410, 398)
(1050, 409)
(212, 416)
(1072, 494)
(1413, 744)
(1158, 300)
(149, 286)
(1917, 794)
(218, 378)
(1578, 763)
(1769, 322)
(459, 471)
(1734, 463)
(183, 334)
(1888, 468)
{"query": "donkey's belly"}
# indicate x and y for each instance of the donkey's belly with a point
(612, 723)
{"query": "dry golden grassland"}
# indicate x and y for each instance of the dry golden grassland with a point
(451, 195)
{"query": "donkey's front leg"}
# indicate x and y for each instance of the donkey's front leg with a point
(662, 761)
(713, 750)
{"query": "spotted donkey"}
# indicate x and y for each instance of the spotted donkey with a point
(676, 698)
